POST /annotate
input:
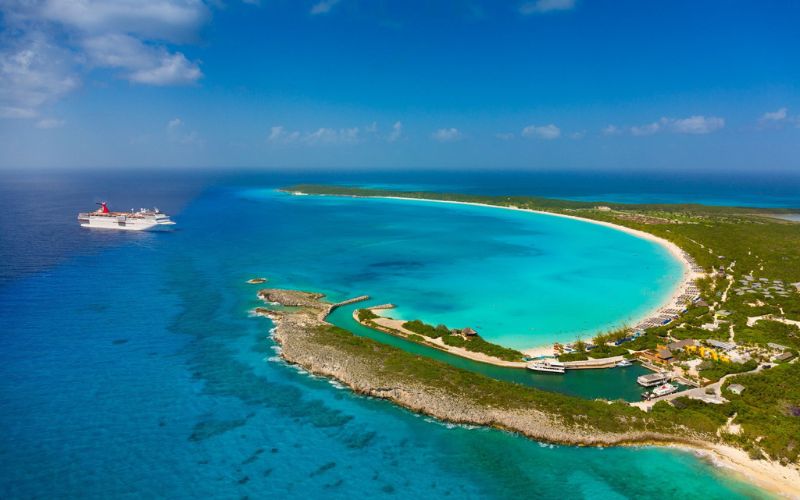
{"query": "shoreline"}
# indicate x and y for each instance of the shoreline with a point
(688, 277)
(396, 329)
(296, 332)
(765, 474)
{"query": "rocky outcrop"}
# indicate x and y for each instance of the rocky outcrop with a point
(306, 340)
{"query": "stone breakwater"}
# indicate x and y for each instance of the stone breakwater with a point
(297, 329)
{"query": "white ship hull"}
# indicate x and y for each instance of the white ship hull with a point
(546, 366)
(133, 222)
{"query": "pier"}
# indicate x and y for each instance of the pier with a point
(360, 298)
(381, 306)
(589, 364)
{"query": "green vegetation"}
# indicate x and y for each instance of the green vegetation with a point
(473, 343)
(425, 329)
(365, 315)
(768, 411)
(715, 370)
(771, 331)
(611, 336)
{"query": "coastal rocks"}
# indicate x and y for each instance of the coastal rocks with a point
(369, 368)
(292, 298)
(257, 281)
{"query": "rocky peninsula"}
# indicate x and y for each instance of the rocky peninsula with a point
(447, 393)
(439, 390)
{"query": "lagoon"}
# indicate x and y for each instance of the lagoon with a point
(521, 279)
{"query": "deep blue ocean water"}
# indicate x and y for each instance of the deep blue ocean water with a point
(129, 366)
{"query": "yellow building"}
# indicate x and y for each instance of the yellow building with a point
(708, 353)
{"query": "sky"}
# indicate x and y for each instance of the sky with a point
(314, 84)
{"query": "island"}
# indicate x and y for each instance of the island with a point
(735, 341)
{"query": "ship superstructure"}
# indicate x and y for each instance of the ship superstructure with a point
(135, 220)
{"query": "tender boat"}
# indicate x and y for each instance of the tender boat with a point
(663, 390)
(546, 366)
(624, 363)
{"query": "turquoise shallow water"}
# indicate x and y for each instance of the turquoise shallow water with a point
(133, 370)
(520, 279)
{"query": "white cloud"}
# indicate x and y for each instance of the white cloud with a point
(170, 69)
(33, 72)
(174, 124)
(504, 136)
(323, 7)
(578, 135)
(279, 135)
(323, 135)
(696, 124)
(12, 112)
(333, 136)
(144, 64)
(171, 20)
(775, 116)
(47, 123)
(649, 129)
(543, 6)
(777, 119)
(175, 133)
(397, 132)
(611, 130)
(547, 132)
(446, 135)
(48, 44)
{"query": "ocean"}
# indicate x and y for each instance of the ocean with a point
(131, 367)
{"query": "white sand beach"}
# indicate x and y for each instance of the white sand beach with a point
(674, 300)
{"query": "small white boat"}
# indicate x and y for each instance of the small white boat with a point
(546, 366)
(624, 363)
(663, 390)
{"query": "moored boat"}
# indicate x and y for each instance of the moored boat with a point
(652, 379)
(546, 366)
(664, 389)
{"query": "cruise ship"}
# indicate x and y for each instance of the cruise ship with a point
(142, 220)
